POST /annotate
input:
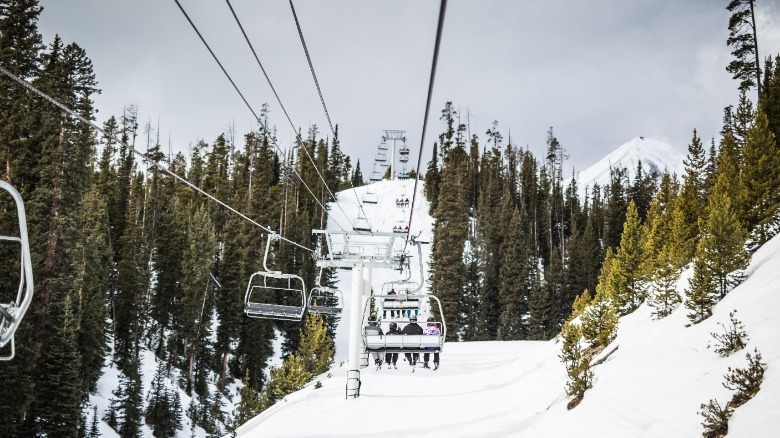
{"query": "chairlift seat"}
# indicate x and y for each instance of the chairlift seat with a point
(403, 343)
(318, 296)
(285, 296)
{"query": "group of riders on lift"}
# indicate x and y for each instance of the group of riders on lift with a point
(410, 329)
(402, 202)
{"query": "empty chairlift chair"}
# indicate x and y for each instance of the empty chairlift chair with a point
(361, 224)
(274, 295)
(370, 198)
(325, 300)
(12, 312)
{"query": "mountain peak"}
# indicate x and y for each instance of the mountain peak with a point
(655, 156)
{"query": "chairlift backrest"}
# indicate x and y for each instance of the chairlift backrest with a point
(274, 295)
(11, 313)
(325, 300)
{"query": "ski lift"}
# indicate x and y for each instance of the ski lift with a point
(404, 150)
(402, 201)
(401, 227)
(361, 224)
(403, 158)
(11, 313)
(403, 174)
(370, 198)
(407, 343)
(380, 157)
(325, 300)
(274, 295)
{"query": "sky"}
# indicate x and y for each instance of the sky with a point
(599, 73)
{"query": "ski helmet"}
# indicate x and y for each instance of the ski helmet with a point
(413, 318)
(430, 319)
(372, 318)
(393, 326)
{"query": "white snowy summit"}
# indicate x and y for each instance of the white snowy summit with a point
(655, 156)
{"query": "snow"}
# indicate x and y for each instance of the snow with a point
(651, 386)
(655, 155)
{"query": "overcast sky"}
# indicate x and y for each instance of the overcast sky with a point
(599, 72)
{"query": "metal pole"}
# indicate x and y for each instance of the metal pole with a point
(392, 162)
(355, 332)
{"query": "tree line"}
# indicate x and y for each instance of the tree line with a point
(127, 258)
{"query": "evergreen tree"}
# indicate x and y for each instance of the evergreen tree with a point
(247, 408)
(450, 234)
(761, 182)
(515, 280)
(577, 365)
(692, 197)
(92, 278)
(745, 66)
(286, 379)
(432, 181)
(701, 293)
(316, 349)
(59, 393)
(722, 247)
(627, 271)
(599, 322)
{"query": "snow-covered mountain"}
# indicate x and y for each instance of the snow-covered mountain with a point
(655, 156)
(652, 385)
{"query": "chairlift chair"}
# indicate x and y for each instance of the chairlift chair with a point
(403, 174)
(403, 158)
(361, 224)
(274, 295)
(407, 343)
(380, 157)
(370, 198)
(404, 150)
(401, 227)
(325, 300)
(11, 313)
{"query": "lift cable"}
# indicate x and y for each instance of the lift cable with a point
(278, 99)
(213, 55)
(164, 169)
(440, 26)
(322, 99)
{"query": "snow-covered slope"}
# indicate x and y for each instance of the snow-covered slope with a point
(651, 386)
(655, 156)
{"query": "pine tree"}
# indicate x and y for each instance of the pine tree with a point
(577, 366)
(515, 281)
(691, 200)
(59, 392)
(450, 233)
(286, 379)
(599, 322)
(248, 407)
(700, 295)
(316, 349)
(432, 181)
(761, 182)
(627, 271)
(722, 247)
(745, 66)
(91, 282)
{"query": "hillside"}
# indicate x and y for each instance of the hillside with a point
(655, 156)
(651, 386)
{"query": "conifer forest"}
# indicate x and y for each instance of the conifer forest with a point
(128, 258)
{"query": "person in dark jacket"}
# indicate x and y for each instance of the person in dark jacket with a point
(392, 358)
(412, 329)
(373, 329)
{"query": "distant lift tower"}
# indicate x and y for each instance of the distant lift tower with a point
(397, 140)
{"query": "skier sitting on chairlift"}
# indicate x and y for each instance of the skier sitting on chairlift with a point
(373, 329)
(392, 358)
(412, 329)
(431, 329)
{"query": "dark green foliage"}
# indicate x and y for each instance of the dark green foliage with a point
(577, 365)
(432, 181)
(742, 36)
